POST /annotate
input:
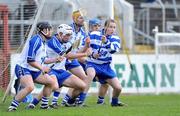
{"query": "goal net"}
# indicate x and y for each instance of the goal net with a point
(167, 43)
(167, 49)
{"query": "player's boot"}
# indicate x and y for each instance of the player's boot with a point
(80, 104)
(45, 107)
(30, 106)
(63, 103)
(100, 102)
(12, 109)
(70, 105)
(119, 104)
(54, 106)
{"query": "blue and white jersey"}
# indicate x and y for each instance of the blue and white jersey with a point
(54, 49)
(77, 37)
(106, 50)
(34, 50)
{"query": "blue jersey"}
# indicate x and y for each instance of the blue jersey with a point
(105, 50)
(34, 50)
(56, 48)
(77, 37)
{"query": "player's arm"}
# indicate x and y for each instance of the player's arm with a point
(73, 55)
(36, 65)
(86, 45)
(113, 45)
(54, 60)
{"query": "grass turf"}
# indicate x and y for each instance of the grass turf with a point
(138, 105)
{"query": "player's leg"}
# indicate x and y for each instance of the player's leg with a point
(18, 87)
(56, 94)
(90, 75)
(75, 68)
(28, 84)
(49, 85)
(106, 74)
(74, 82)
(79, 72)
(90, 71)
(114, 82)
(25, 80)
(65, 78)
(35, 101)
(78, 87)
(102, 92)
(38, 98)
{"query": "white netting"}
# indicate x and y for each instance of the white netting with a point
(167, 43)
(167, 52)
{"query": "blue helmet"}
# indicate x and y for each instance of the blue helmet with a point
(95, 21)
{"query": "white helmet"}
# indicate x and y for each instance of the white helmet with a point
(64, 29)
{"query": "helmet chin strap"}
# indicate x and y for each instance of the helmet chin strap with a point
(44, 34)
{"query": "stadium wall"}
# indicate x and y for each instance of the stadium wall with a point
(149, 75)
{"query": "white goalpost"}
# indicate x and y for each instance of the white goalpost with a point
(167, 45)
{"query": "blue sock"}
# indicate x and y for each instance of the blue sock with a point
(44, 101)
(114, 100)
(55, 97)
(66, 99)
(82, 96)
(35, 101)
(15, 103)
(25, 100)
(28, 98)
(56, 93)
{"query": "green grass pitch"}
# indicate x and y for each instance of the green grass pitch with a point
(138, 105)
